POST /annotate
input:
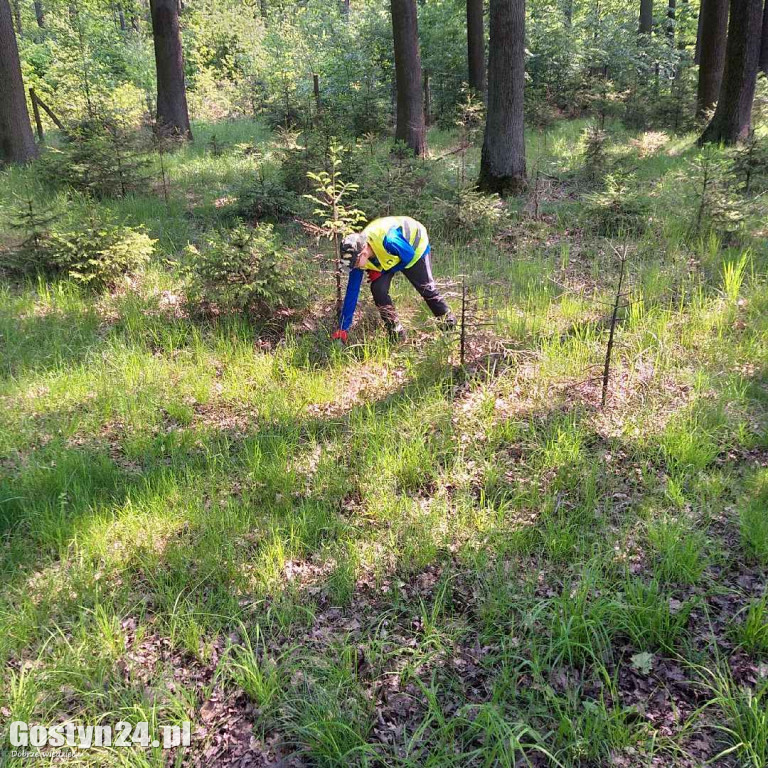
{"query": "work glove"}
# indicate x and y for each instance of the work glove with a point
(339, 338)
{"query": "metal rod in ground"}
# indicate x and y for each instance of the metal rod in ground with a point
(614, 314)
(463, 334)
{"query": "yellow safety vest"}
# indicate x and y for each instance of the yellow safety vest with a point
(415, 233)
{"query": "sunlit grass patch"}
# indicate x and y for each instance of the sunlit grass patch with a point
(753, 520)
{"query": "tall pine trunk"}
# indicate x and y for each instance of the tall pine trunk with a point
(17, 144)
(646, 17)
(764, 43)
(39, 14)
(697, 50)
(671, 16)
(476, 45)
(410, 105)
(733, 114)
(714, 31)
(502, 165)
(172, 112)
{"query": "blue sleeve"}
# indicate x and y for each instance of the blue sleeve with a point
(350, 298)
(396, 244)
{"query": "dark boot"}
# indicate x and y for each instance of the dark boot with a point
(395, 330)
(446, 322)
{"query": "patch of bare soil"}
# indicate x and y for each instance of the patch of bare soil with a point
(223, 720)
(365, 383)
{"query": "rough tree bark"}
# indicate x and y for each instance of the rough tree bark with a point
(733, 114)
(476, 45)
(764, 43)
(697, 50)
(172, 112)
(410, 106)
(39, 14)
(714, 31)
(671, 16)
(17, 144)
(646, 17)
(502, 165)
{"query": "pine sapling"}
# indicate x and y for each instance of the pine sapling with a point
(34, 223)
(749, 159)
(338, 219)
(617, 304)
(164, 140)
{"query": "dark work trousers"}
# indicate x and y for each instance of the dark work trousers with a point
(420, 277)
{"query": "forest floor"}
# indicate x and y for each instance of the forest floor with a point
(378, 556)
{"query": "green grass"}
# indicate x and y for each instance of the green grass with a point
(374, 557)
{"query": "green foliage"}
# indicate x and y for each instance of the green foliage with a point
(101, 157)
(752, 631)
(330, 198)
(99, 253)
(717, 206)
(265, 197)
(618, 208)
(742, 716)
(393, 183)
(749, 163)
(650, 617)
(96, 253)
(753, 522)
(244, 270)
(33, 221)
(678, 551)
(469, 216)
(266, 200)
(595, 156)
(603, 99)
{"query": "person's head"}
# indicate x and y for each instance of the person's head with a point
(355, 250)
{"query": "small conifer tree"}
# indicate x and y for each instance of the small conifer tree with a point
(330, 198)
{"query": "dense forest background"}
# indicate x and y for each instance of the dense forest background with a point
(637, 62)
(246, 59)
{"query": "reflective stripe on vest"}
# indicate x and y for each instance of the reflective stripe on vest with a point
(414, 232)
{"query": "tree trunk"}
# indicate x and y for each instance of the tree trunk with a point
(697, 52)
(410, 105)
(502, 166)
(172, 112)
(39, 14)
(733, 114)
(476, 45)
(646, 17)
(671, 13)
(17, 144)
(17, 16)
(764, 44)
(714, 29)
(121, 18)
